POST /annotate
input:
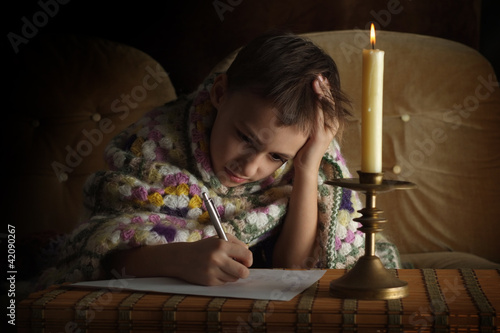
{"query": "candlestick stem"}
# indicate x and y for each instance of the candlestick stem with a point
(369, 279)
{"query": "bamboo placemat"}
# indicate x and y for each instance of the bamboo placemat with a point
(438, 300)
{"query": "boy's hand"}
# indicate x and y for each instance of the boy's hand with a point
(310, 155)
(213, 261)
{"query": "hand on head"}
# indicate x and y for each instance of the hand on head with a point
(322, 133)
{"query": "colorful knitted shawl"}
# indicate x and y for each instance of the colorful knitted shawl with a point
(159, 167)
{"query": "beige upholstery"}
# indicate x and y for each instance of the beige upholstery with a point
(441, 132)
(441, 128)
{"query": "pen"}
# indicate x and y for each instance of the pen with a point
(214, 216)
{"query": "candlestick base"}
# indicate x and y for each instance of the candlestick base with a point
(369, 279)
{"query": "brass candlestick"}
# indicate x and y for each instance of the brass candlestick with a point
(369, 279)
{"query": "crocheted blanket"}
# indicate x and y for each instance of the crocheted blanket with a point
(152, 195)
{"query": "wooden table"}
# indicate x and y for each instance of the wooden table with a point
(439, 300)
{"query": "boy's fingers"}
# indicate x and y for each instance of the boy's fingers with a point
(317, 87)
(237, 267)
(321, 86)
(239, 251)
(236, 270)
(233, 239)
(243, 255)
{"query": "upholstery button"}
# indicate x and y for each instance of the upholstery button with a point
(63, 176)
(96, 117)
(405, 118)
(396, 169)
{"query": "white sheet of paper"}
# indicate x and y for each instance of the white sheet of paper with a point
(270, 284)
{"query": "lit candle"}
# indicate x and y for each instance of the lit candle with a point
(371, 108)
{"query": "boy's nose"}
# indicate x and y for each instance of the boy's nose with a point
(249, 165)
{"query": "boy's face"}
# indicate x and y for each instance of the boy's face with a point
(246, 144)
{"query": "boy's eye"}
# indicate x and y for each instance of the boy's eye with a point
(248, 140)
(278, 158)
(274, 157)
(244, 137)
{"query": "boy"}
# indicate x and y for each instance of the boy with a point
(259, 140)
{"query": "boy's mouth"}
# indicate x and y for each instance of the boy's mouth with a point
(234, 178)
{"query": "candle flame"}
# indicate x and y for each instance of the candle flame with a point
(372, 36)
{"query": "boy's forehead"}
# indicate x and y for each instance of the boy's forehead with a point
(250, 107)
(258, 114)
(259, 117)
(268, 130)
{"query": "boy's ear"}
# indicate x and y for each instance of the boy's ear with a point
(219, 90)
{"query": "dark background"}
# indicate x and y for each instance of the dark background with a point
(189, 37)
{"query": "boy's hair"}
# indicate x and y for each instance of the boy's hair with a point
(281, 68)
